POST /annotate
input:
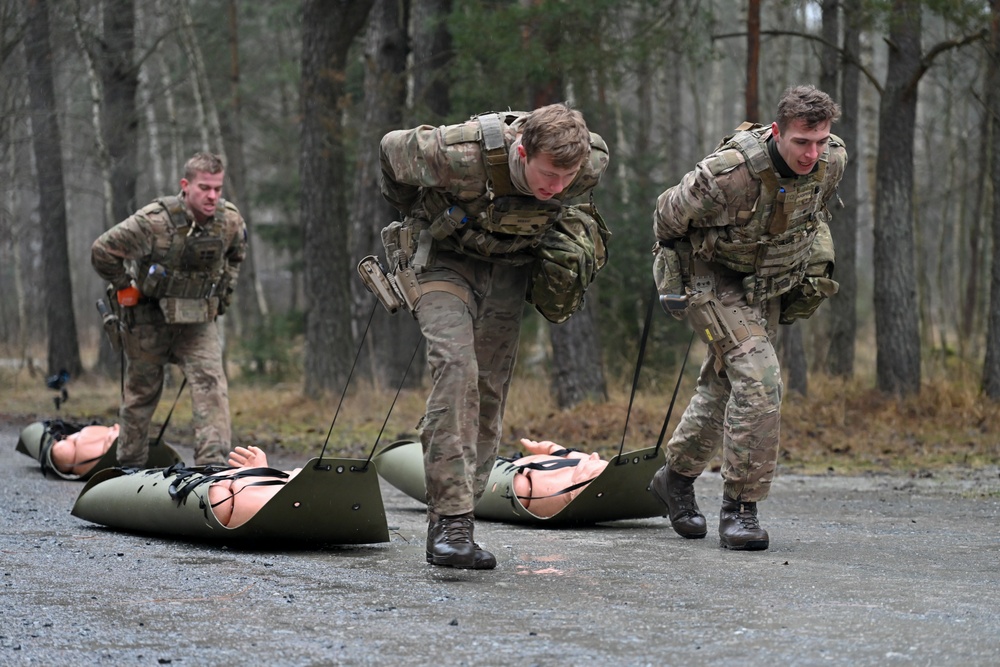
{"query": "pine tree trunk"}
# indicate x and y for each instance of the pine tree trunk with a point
(328, 30)
(896, 324)
(844, 226)
(391, 339)
(991, 367)
(63, 345)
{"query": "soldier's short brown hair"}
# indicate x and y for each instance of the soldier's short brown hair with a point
(203, 163)
(808, 104)
(557, 131)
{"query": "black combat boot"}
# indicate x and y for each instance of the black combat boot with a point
(676, 491)
(450, 543)
(739, 528)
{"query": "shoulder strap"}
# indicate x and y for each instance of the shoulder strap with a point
(495, 153)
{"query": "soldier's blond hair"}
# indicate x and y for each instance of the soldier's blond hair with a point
(808, 104)
(203, 163)
(557, 131)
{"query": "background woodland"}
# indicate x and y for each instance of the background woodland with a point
(102, 102)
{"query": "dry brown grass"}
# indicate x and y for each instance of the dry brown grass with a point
(839, 427)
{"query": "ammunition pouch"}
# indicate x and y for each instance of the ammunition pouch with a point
(520, 216)
(774, 266)
(803, 300)
(189, 311)
(159, 282)
(722, 327)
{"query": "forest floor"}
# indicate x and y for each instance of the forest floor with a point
(838, 428)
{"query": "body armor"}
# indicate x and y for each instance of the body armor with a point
(493, 220)
(774, 244)
(190, 262)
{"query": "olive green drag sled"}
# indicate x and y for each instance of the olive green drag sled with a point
(36, 440)
(328, 501)
(619, 492)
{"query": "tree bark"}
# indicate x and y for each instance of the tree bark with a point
(329, 27)
(896, 322)
(391, 339)
(842, 309)
(63, 345)
(991, 366)
(432, 56)
(577, 368)
(250, 308)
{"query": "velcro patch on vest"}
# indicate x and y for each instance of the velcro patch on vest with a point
(459, 134)
(724, 161)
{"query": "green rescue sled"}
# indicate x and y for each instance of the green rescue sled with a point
(36, 441)
(328, 501)
(618, 493)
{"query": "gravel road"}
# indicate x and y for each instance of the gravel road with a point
(876, 570)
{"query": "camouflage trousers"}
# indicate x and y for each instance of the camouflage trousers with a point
(196, 349)
(736, 405)
(471, 350)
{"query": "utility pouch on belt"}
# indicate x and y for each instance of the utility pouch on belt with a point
(378, 283)
(803, 299)
(189, 311)
(669, 280)
(447, 222)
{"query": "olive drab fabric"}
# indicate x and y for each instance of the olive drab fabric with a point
(186, 272)
(462, 259)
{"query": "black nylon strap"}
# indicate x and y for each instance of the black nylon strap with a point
(638, 367)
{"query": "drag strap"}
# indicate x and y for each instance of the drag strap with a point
(673, 398)
(638, 367)
(159, 436)
(189, 479)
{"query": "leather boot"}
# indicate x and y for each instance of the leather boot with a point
(676, 491)
(739, 528)
(450, 544)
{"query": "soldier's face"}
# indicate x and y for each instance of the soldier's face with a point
(202, 194)
(544, 178)
(801, 146)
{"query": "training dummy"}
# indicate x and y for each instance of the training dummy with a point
(235, 500)
(552, 476)
(79, 452)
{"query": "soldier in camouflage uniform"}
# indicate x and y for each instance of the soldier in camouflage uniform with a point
(477, 197)
(179, 258)
(743, 244)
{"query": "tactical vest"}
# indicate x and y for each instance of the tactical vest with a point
(777, 235)
(187, 263)
(501, 223)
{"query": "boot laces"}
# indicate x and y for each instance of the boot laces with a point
(747, 515)
(457, 529)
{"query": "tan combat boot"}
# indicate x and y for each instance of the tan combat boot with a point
(739, 528)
